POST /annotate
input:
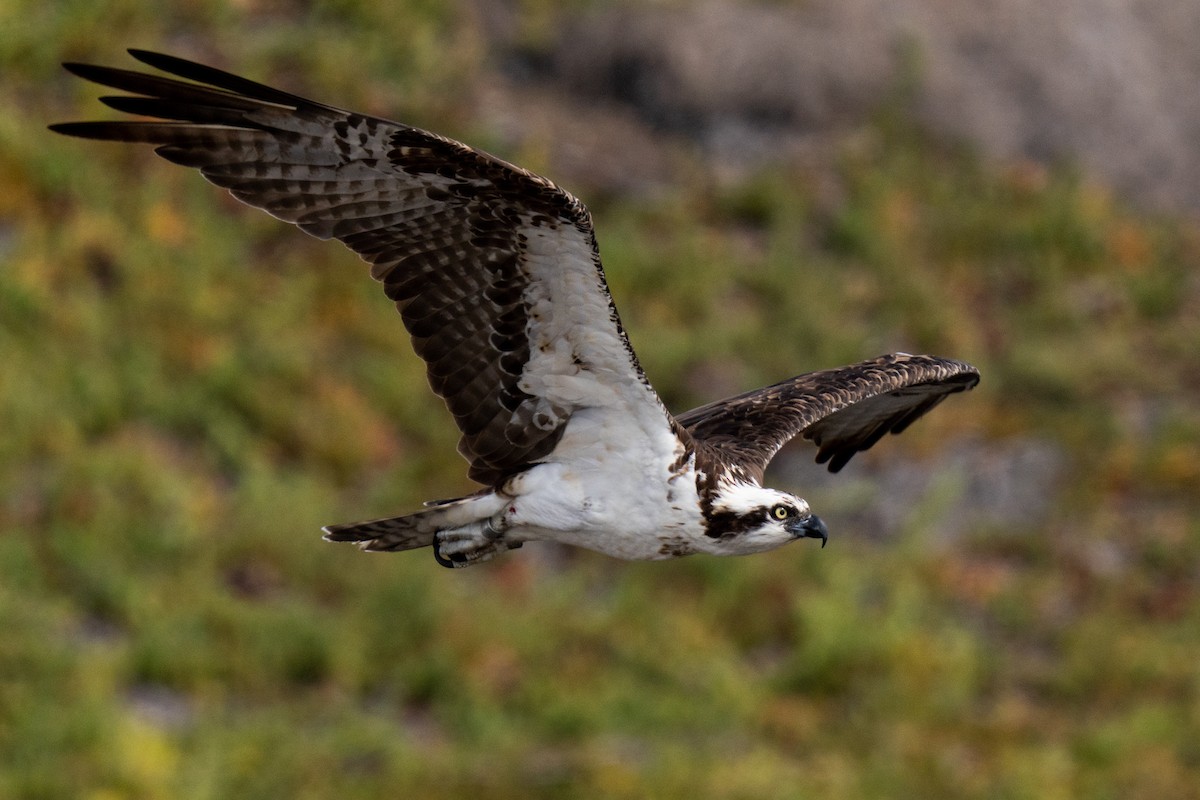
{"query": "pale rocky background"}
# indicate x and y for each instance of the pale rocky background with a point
(1110, 86)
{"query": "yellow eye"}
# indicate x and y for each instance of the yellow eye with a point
(781, 512)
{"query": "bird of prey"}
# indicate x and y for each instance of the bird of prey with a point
(497, 277)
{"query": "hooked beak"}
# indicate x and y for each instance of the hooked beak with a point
(810, 527)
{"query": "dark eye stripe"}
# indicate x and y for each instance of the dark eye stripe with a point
(727, 524)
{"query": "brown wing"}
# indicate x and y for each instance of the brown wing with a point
(844, 410)
(495, 270)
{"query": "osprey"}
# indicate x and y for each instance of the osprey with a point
(497, 277)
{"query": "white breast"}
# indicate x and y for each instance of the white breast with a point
(608, 486)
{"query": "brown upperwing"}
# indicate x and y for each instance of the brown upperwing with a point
(843, 410)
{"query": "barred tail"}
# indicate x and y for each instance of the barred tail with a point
(415, 530)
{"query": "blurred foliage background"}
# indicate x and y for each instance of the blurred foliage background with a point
(1008, 607)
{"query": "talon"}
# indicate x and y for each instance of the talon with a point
(455, 561)
(468, 548)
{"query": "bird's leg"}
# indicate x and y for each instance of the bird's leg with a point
(471, 544)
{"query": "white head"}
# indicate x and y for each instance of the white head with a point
(747, 518)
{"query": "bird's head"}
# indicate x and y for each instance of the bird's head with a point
(747, 518)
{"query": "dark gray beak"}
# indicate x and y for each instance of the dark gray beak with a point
(810, 527)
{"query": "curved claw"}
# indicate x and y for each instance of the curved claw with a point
(448, 563)
(477, 553)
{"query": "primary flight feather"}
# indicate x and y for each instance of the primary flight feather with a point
(497, 277)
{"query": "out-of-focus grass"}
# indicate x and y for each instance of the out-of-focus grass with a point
(191, 389)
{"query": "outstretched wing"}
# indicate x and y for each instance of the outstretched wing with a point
(844, 410)
(495, 270)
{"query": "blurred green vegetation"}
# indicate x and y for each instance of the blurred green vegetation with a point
(190, 389)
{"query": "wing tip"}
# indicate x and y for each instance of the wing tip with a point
(82, 130)
(952, 375)
(143, 55)
(174, 65)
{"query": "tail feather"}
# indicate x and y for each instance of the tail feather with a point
(415, 530)
(393, 533)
